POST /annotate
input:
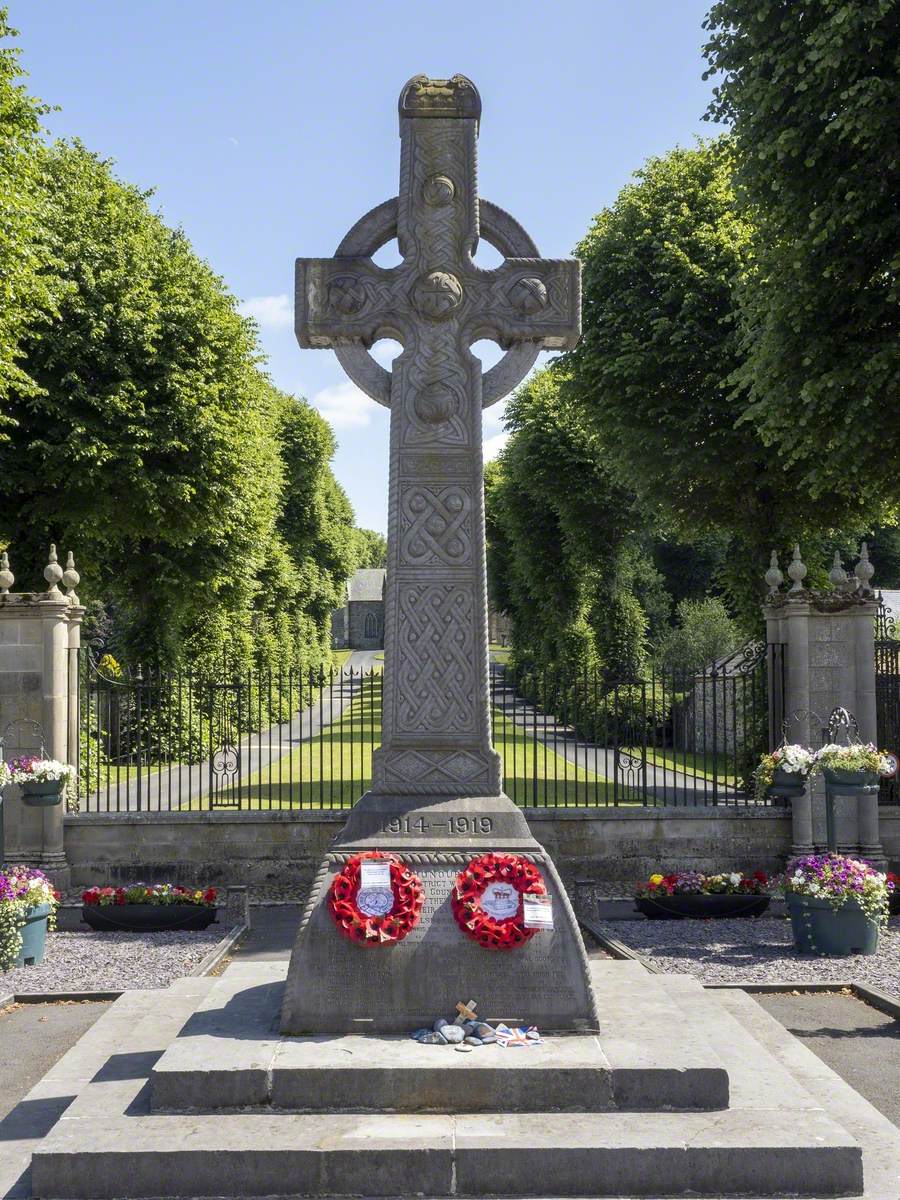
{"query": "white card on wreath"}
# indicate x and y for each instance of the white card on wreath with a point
(374, 874)
(537, 911)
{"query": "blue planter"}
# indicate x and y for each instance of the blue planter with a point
(821, 930)
(34, 936)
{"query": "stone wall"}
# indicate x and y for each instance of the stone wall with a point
(361, 636)
(285, 848)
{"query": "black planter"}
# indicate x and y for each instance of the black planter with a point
(894, 903)
(147, 918)
(661, 908)
(851, 780)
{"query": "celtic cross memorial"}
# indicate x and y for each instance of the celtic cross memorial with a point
(437, 796)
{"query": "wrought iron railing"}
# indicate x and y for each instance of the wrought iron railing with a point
(157, 741)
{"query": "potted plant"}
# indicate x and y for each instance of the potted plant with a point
(148, 907)
(855, 765)
(784, 772)
(693, 894)
(42, 780)
(837, 904)
(28, 903)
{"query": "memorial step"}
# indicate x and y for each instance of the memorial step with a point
(771, 1152)
(230, 1055)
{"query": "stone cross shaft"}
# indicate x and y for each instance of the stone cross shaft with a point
(436, 303)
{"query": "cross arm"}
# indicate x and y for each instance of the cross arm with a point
(341, 300)
(529, 299)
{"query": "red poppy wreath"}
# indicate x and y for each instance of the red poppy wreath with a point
(495, 882)
(376, 917)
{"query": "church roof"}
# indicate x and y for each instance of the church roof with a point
(367, 584)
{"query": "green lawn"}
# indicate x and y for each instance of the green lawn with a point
(704, 766)
(335, 768)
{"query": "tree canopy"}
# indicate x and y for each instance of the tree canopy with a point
(662, 267)
(812, 91)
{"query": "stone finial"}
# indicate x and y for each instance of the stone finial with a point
(774, 576)
(797, 571)
(864, 569)
(7, 579)
(837, 575)
(71, 578)
(53, 573)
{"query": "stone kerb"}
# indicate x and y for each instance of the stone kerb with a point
(828, 635)
(39, 641)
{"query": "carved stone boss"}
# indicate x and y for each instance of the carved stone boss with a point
(436, 303)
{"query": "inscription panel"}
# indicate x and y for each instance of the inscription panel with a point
(437, 964)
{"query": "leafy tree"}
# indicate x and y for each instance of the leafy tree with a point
(149, 445)
(704, 633)
(660, 271)
(812, 91)
(371, 548)
(25, 292)
(556, 523)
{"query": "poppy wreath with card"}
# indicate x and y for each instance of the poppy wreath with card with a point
(495, 933)
(383, 929)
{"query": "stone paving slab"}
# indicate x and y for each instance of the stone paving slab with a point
(777, 1153)
(878, 1137)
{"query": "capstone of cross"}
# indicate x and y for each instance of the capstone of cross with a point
(437, 302)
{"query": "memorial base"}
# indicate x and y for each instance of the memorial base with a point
(335, 986)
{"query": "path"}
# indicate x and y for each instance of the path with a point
(183, 785)
(668, 785)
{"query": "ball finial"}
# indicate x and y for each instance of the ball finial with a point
(774, 577)
(7, 579)
(71, 578)
(797, 571)
(53, 573)
(864, 570)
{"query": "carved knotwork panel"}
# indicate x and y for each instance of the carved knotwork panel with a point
(435, 672)
(435, 525)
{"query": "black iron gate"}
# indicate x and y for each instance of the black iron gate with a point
(887, 692)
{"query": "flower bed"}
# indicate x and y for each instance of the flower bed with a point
(148, 907)
(693, 894)
(28, 903)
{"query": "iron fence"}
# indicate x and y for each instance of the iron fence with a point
(154, 740)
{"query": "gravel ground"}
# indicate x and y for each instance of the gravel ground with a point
(76, 962)
(753, 950)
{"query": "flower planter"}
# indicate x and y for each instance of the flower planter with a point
(849, 779)
(147, 918)
(34, 935)
(43, 793)
(820, 929)
(894, 903)
(720, 905)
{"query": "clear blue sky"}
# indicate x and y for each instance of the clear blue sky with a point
(268, 128)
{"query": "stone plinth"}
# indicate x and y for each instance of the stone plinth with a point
(401, 987)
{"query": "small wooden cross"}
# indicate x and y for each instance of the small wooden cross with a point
(467, 1011)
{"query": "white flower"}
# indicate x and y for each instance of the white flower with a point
(735, 877)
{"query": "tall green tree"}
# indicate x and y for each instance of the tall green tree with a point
(811, 89)
(660, 340)
(147, 444)
(25, 291)
(371, 548)
(556, 523)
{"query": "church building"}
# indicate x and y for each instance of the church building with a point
(359, 625)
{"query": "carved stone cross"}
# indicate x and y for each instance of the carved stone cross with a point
(436, 303)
